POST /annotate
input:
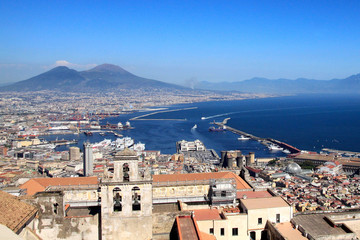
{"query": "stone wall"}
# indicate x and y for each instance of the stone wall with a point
(51, 222)
(163, 223)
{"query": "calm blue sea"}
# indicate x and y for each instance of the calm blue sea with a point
(308, 122)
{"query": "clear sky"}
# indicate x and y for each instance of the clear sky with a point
(179, 41)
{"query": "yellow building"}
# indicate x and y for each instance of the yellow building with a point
(261, 210)
(223, 225)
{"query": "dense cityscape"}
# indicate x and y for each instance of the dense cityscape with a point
(179, 120)
(190, 188)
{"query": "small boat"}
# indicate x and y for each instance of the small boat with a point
(214, 129)
(102, 133)
(203, 118)
(194, 127)
(88, 133)
(286, 151)
(242, 137)
(273, 147)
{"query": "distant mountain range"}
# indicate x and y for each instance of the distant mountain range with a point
(105, 77)
(286, 86)
(108, 77)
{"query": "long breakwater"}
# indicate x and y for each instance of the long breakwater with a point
(142, 117)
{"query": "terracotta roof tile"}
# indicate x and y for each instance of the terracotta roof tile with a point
(205, 236)
(240, 183)
(35, 185)
(207, 214)
(14, 213)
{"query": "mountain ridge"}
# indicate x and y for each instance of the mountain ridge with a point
(105, 77)
(109, 77)
(350, 84)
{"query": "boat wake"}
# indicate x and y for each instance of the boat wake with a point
(218, 115)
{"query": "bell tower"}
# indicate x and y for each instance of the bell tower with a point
(126, 200)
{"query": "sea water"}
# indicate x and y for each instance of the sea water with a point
(308, 122)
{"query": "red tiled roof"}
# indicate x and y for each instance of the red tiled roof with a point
(35, 185)
(14, 213)
(240, 183)
(205, 236)
(207, 214)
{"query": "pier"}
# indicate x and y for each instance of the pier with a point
(174, 110)
(264, 141)
(63, 142)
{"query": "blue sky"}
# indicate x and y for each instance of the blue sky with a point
(175, 41)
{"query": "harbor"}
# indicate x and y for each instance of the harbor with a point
(271, 144)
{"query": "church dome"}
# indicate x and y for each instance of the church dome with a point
(126, 152)
(293, 168)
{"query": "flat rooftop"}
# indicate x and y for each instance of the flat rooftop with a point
(317, 226)
(253, 194)
(286, 229)
(207, 214)
(260, 203)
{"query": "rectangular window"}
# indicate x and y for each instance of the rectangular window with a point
(235, 232)
(259, 221)
(222, 231)
(211, 231)
(223, 193)
(277, 218)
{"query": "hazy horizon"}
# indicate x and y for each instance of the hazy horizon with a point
(180, 42)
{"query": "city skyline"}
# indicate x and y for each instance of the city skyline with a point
(179, 42)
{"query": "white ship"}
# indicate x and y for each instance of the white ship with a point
(242, 137)
(203, 118)
(194, 127)
(138, 147)
(286, 151)
(273, 147)
(59, 128)
(104, 143)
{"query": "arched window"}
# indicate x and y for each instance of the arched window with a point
(126, 176)
(136, 199)
(117, 199)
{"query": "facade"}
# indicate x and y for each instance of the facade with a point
(74, 153)
(222, 225)
(261, 210)
(218, 188)
(185, 146)
(126, 201)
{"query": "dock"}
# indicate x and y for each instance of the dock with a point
(264, 141)
(63, 142)
(348, 153)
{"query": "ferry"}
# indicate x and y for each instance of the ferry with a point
(242, 137)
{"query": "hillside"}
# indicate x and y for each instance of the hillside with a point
(105, 77)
